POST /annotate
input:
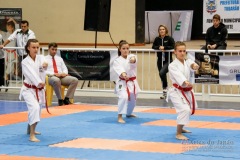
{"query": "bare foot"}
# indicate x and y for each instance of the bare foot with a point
(120, 120)
(186, 131)
(181, 137)
(131, 116)
(34, 139)
(37, 133)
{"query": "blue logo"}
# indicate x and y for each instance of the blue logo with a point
(211, 6)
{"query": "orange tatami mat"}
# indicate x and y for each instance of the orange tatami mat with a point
(199, 112)
(198, 124)
(126, 145)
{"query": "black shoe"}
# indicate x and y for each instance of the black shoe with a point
(60, 102)
(66, 101)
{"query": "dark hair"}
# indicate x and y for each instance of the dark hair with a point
(52, 44)
(179, 43)
(12, 24)
(28, 44)
(121, 43)
(25, 21)
(165, 27)
(217, 16)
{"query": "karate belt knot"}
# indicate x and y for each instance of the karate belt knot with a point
(128, 92)
(187, 90)
(36, 89)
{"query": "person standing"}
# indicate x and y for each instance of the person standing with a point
(163, 42)
(11, 54)
(58, 75)
(21, 36)
(216, 36)
(32, 91)
(127, 86)
(2, 65)
(181, 93)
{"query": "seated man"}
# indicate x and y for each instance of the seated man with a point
(216, 35)
(58, 75)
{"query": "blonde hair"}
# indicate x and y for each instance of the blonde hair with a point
(179, 43)
(165, 27)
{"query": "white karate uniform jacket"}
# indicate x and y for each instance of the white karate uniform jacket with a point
(179, 73)
(34, 74)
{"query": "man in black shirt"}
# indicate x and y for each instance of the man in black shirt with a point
(216, 35)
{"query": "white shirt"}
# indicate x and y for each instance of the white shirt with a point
(21, 39)
(61, 67)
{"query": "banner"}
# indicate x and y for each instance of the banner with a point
(216, 69)
(179, 24)
(183, 28)
(228, 10)
(6, 14)
(90, 65)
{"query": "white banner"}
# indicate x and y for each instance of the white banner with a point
(229, 10)
(216, 69)
(179, 24)
(183, 28)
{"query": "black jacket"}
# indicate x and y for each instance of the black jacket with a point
(168, 43)
(217, 35)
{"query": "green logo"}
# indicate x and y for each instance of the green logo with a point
(178, 26)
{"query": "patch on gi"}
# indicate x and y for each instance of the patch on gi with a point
(120, 86)
(40, 69)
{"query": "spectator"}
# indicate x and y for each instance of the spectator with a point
(21, 36)
(2, 66)
(163, 42)
(11, 54)
(58, 75)
(216, 35)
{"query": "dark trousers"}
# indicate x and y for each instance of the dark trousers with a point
(218, 48)
(163, 69)
(2, 66)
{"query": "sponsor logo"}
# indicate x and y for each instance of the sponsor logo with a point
(10, 12)
(178, 26)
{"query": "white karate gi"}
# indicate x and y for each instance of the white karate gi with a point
(34, 74)
(121, 65)
(179, 73)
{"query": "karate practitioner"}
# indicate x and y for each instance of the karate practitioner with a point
(126, 84)
(32, 91)
(181, 93)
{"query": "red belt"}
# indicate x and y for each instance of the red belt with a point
(11, 51)
(128, 92)
(187, 90)
(34, 87)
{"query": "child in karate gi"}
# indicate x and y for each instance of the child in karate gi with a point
(126, 84)
(32, 91)
(181, 93)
